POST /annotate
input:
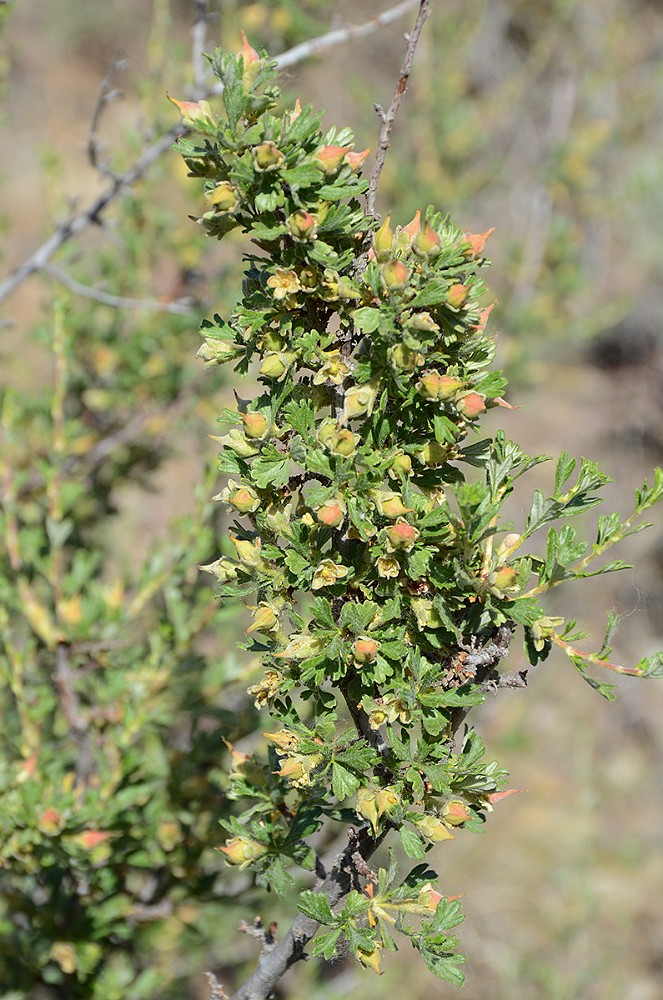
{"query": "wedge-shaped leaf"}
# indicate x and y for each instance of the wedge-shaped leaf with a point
(316, 906)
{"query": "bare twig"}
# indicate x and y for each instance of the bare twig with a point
(181, 307)
(347, 33)
(388, 117)
(217, 991)
(198, 34)
(107, 94)
(79, 221)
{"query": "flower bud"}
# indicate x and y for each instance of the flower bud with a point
(273, 342)
(265, 618)
(457, 296)
(330, 159)
(302, 226)
(429, 898)
(471, 405)
(244, 500)
(426, 243)
(242, 851)
(255, 426)
(476, 243)
(360, 400)
(251, 62)
(433, 453)
(423, 321)
(394, 275)
(370, 959)
(404, 359)
(284, 740)
(503, 580)
(278, 518)
(50, 822)
(432, 385)
(456, 813)
(433, 828)
(365, 651)
(217, 352)
(383, 241)
(276, 365)
(300, 647)
(236, 441)
(345, 444)
(401, 465)
(390, 504)
(356, 160)
(248, 552)
(267, 156)
(223, 569)
(331, 514)
(403, 535)
(193, 112)
(224, 197)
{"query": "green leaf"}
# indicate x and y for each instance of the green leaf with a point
(316, 906)
(271, 468)
(651, 666)
(344, 783)
(412, 843)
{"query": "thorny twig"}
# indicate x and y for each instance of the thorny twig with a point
(78, 222)
(388, 117)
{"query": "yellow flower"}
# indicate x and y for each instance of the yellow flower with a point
(327, 573)
(284, 283)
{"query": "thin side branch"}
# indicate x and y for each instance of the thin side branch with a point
(388, 117)
(181, 307)
(107, 94)
(79, 221)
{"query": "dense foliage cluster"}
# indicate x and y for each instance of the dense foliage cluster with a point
(387, 587)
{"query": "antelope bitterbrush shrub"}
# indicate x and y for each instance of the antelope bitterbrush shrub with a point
(385, 587)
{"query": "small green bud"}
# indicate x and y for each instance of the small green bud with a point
(224, 197)
(276, 365)
(433, 828)
(360, 400)
(433, 454)
(237, 442)
(401, 465)
(432, 385)
(390, 504)
(223, 570)
(267, 156)
(217, 352)
(422, 321)
(404, 358)
(383, 241)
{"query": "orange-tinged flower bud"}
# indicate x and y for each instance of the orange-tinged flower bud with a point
(477, 242)
(405, 359)
(365, 650)
(457, 296)
(394, 275)
(356, 160)
(193, 112)
(503, 580)
(456, 813)
(252, 62)
(255, 425)
(90, 839)
(267, 156)
(244, 500)
(331, 514)
(430, 897)
(403, 535)
(413, 226)
(296, 111)
(383, 241)
(330, 158)
(471, 405)
(302, 226)
(50, 822)
(224, 197)
(426, 243)
(242, 851)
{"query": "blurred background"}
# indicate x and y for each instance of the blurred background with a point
(542, 119)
